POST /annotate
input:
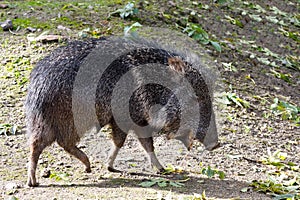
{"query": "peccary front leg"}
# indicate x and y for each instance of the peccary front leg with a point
(147, 144)
(119, 138)
(111, 158)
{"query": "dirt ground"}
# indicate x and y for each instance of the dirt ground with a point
(260, 56)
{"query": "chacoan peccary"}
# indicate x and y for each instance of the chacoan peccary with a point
(54, 112)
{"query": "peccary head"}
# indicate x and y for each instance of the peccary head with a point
(205, 130)
(189, 118)
(191, 127)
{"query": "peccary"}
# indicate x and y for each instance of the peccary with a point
(60, 108)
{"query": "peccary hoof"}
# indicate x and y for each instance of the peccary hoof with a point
(30, 184)
(218, 145)
(111, 169)
(162, 171)
(88, 170)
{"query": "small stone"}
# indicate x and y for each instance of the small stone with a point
(60, 27)
(3, 6)
(12, 198)
(171, 3)
(48, 38)
(60, 163)
(45, 173)
(7, 25)
(30, 29)
(11, 185)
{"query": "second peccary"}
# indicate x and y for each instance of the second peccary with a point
(54, 112)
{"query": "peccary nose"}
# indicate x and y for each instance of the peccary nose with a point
(211, 137)
(213, 146)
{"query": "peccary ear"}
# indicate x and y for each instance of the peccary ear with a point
(186, 138)
(211, 138)
(177, 64)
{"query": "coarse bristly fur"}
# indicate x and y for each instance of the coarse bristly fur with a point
(50, 115)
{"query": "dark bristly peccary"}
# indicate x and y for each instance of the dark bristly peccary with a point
(54, 112)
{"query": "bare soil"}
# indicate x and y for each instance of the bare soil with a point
(247, 134)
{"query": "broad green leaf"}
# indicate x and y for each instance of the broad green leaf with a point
(291, 163)
(255, 17)
(12, 198)
(221, 175)
(162, 184)
(285, 197)
(132, 29)
(216, 46)
(210, 173)
(176, 184)
(147, 183)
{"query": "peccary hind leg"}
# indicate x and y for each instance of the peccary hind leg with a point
(77, 153)
(147, 144)
(35, 152)
(37, 144)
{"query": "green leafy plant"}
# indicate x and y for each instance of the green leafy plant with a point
(229, 67)
(172, 169)
(293, 35)
(282, 183)
(92, 32)
(256, 7)
(277, 159)
(295, 20)
(229, 98)
(59, 176)
(285, 77)
(127, 11)
(265, 50)
(132, 29)
(13, 198)
(234, 21)
(277, 189)
(84, 33)
(209, 172)
(286, 110)
(256, 17)
(196, 32)
(161, 182)
(292, 62)
(277, 11)
(8, 129)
